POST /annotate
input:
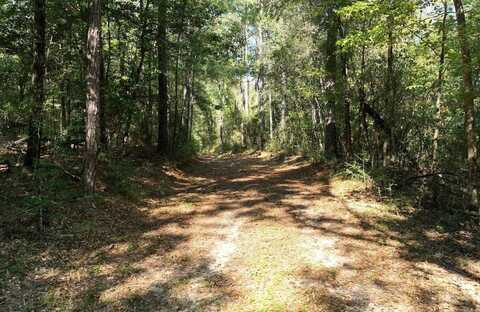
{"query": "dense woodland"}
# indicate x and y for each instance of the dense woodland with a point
(390, 83)
(377, 90)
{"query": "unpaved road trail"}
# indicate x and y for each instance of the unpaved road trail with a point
(246, 233)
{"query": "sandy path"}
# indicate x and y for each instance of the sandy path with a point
(250, 234)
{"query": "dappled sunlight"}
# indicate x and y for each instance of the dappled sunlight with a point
(253, 234)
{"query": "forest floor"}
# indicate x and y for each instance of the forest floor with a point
(244, 233)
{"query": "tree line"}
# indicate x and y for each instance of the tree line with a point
(390, 83)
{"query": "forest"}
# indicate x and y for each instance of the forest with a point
(239, 155)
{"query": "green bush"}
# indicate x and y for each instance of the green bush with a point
(186, 151)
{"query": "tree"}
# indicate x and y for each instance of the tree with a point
(162, 54)
(93, 94)
(468, 103)
(35, 124)
(331, 84)
(440, 82)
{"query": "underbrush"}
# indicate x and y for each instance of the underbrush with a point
(186, 151)
(46, 218)
(442, 192)
(379, 181)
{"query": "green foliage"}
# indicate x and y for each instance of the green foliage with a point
(380, 181)
(186, 151)
(355, 171)
(119, 179)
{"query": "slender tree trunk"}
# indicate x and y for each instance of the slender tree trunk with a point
(331, 81)
(63, 107)
(162, 53)
(187, 103)
(362, 98)
(175, 109)
(346, 104)
(438, 105)
(93, 94)
(283, 108)
(177, 65)
(270, 110)
(247, 82)
(221, 117)
(388, 144)
(192, 98)
(105, 86)
(124, 125)
(347, 129)
(468, 103)
(35, 124)
(261, 87)
(147, 116)
(244, 88)
(103, 102)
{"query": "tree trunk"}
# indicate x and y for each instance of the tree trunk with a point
(388, 144)
(362, 98)
(190, 115)
(187, 102)
(283, 109)
(175, 103)
(35, 124)
(63, 107)
(260, 88)
(162, 51)
(177, 65)
(270, 110)
(347, 131)
(331, 81)
(438, 105)
(147, 117)
(103, 103)
(93, 94)
(468, 103)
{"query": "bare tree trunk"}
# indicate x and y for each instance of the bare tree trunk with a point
(438, 105)
(175, 103)
(35, 124)
(283, 108)
(93, 95)
(362, 98)
(260, 88)
(346, 104)
(147, 118)
(192, 98)
(177, 65)
(103, 102)
(468, 103)
(247, 82)
(63, 107)
(221, 117)
(270, 110)
(243, 110)
(388, 144)
(162, 52)
(331, 150)
(105, 137)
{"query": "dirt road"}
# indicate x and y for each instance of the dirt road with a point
(250, 234)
